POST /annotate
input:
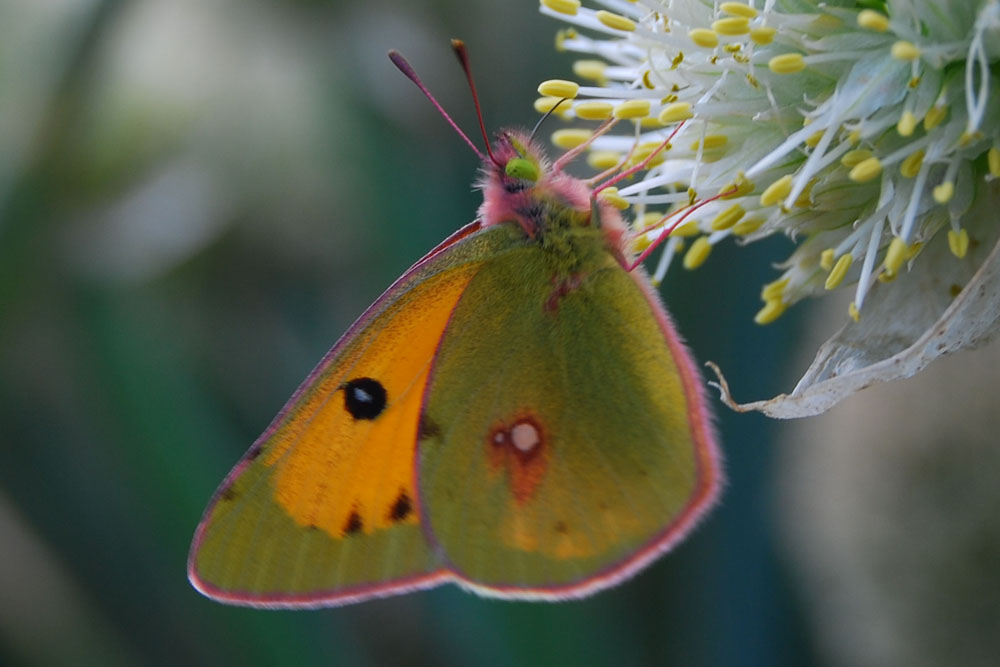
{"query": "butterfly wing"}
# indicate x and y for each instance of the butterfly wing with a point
(578, 449)
(322, 510)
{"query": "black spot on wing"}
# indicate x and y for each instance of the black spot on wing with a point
(401, 508)
(364, 398)
(428, 428)
(353, 524)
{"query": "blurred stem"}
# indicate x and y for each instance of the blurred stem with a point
(27, 212)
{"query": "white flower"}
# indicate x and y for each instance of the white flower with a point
(870, 137)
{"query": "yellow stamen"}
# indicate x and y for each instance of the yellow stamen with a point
(732, 25)
(697, 253)
(689, 228)
(615, 21)
(852, 310)
(748, 225)
(611, 196)
(904, 50)
(896, 255)
(762, 36)
(944, 192)
(738, 9)
(993, 159)
(839, 271)
(740, 187)
(776, 191)
(787, 63)
(958, 242)
(774, 290)
(771, 311)
(570, 138)
(547, 104)
(593, 110)
(865, 170)
(814, 138)
(910, 167)
(603, 159)
(568, 7)
(855, 157)
(676, 112)
(826, 259)
(868, 18)
(728, 218)
(712, 141)
(632, 109)
(648, 219)
(907, 124)
(704, 37)
(935, 116)
(559, 88)
(590, 69)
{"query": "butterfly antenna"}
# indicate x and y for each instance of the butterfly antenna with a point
(552, 110)
(400, 62)
(463, 57)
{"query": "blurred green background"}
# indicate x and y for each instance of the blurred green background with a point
(196, 199)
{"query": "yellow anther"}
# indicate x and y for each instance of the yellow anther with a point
(611, 196)
(934, 116)
(711, 142)
(854, 137)
(732, 25)
(776, 191)
(771, 311)
(562, 36)
(887, 276)
(814, 138)
(547, 104)
(632, 109)
(804, 200)
(853, 311)
(559, 88)
(738, 9)
(865, 170)
(958, 242)
(826, 259)
(944, 192)
(748, 225)
(650, 121)
(570, 138)
(640, 243)
(603, 159)
(873, 20)
(904, 50)
(993, 159)
(741, 186)
(896, 255)
(839, 271)
(697, 253)
(907, 124)
(593, 110)
(676, 112)
(914, 250)
(568, 7)
(689, 228)
(728, 218)
(787, 63)
(910, 167)
(648, 219)
(774, 290)
(855, 157)
(762, 36)
(590, 69)
(704, 37)
(615, 21)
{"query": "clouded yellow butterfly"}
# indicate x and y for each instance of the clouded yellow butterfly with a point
(515, 414)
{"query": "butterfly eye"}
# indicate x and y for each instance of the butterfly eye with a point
(522, 168)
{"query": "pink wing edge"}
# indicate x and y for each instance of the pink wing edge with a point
(329, 598)
(710, 480)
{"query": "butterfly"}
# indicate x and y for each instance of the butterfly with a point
(515, 414)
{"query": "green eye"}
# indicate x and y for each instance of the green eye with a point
(521, 168)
